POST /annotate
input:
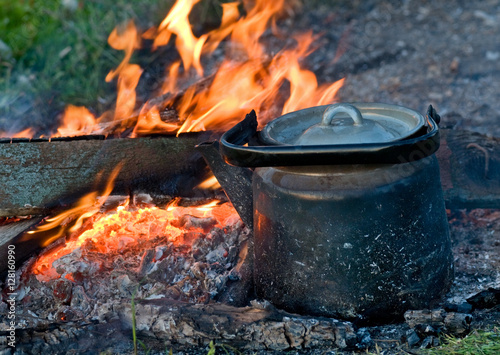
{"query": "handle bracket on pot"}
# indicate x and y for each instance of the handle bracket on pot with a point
(403, 151)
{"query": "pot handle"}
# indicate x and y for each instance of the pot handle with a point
(235, 153)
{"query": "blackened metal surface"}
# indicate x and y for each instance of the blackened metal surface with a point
(236, 181)
(352, 245)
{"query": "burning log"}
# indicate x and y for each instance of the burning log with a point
(9, 233)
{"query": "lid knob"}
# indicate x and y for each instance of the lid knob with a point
(343, 130)
(332, 110)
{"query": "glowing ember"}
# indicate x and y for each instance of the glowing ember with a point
(247, 78)
(127, 226)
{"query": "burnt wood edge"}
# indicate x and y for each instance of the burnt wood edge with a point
(166, 323)
(93, 137)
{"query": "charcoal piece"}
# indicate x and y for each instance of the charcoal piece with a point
(425, 330)
(364, 339)
(146, 262)
(62, 290)
(205, 223)
(10, 234)
(411, 338)
(485, 299)
(429, 342)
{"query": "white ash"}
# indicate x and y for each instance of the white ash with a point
(195, 272)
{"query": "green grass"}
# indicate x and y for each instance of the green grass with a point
(55, 52)
(479, 342)
(55, 55)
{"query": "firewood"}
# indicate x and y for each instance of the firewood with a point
(43, 175)
(168, 324)
(449, 322)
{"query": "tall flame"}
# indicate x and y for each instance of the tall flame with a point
(248, 78)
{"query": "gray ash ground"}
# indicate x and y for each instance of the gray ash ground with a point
(197, 271)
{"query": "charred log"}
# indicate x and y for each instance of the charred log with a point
(168, 324)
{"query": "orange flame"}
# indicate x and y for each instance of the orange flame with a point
(248, 78)
(209, 184)
(128, 74)
(188, 46)
(76, 120)
(73, 218)
(26, 133)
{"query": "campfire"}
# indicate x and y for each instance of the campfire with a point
(138, 239)
(194, 99)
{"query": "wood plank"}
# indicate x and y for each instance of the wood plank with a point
(39, 175)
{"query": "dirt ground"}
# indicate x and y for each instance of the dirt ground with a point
(413, 53)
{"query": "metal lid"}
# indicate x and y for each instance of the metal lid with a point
(343, 124)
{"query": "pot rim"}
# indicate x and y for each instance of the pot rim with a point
(236, 147)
